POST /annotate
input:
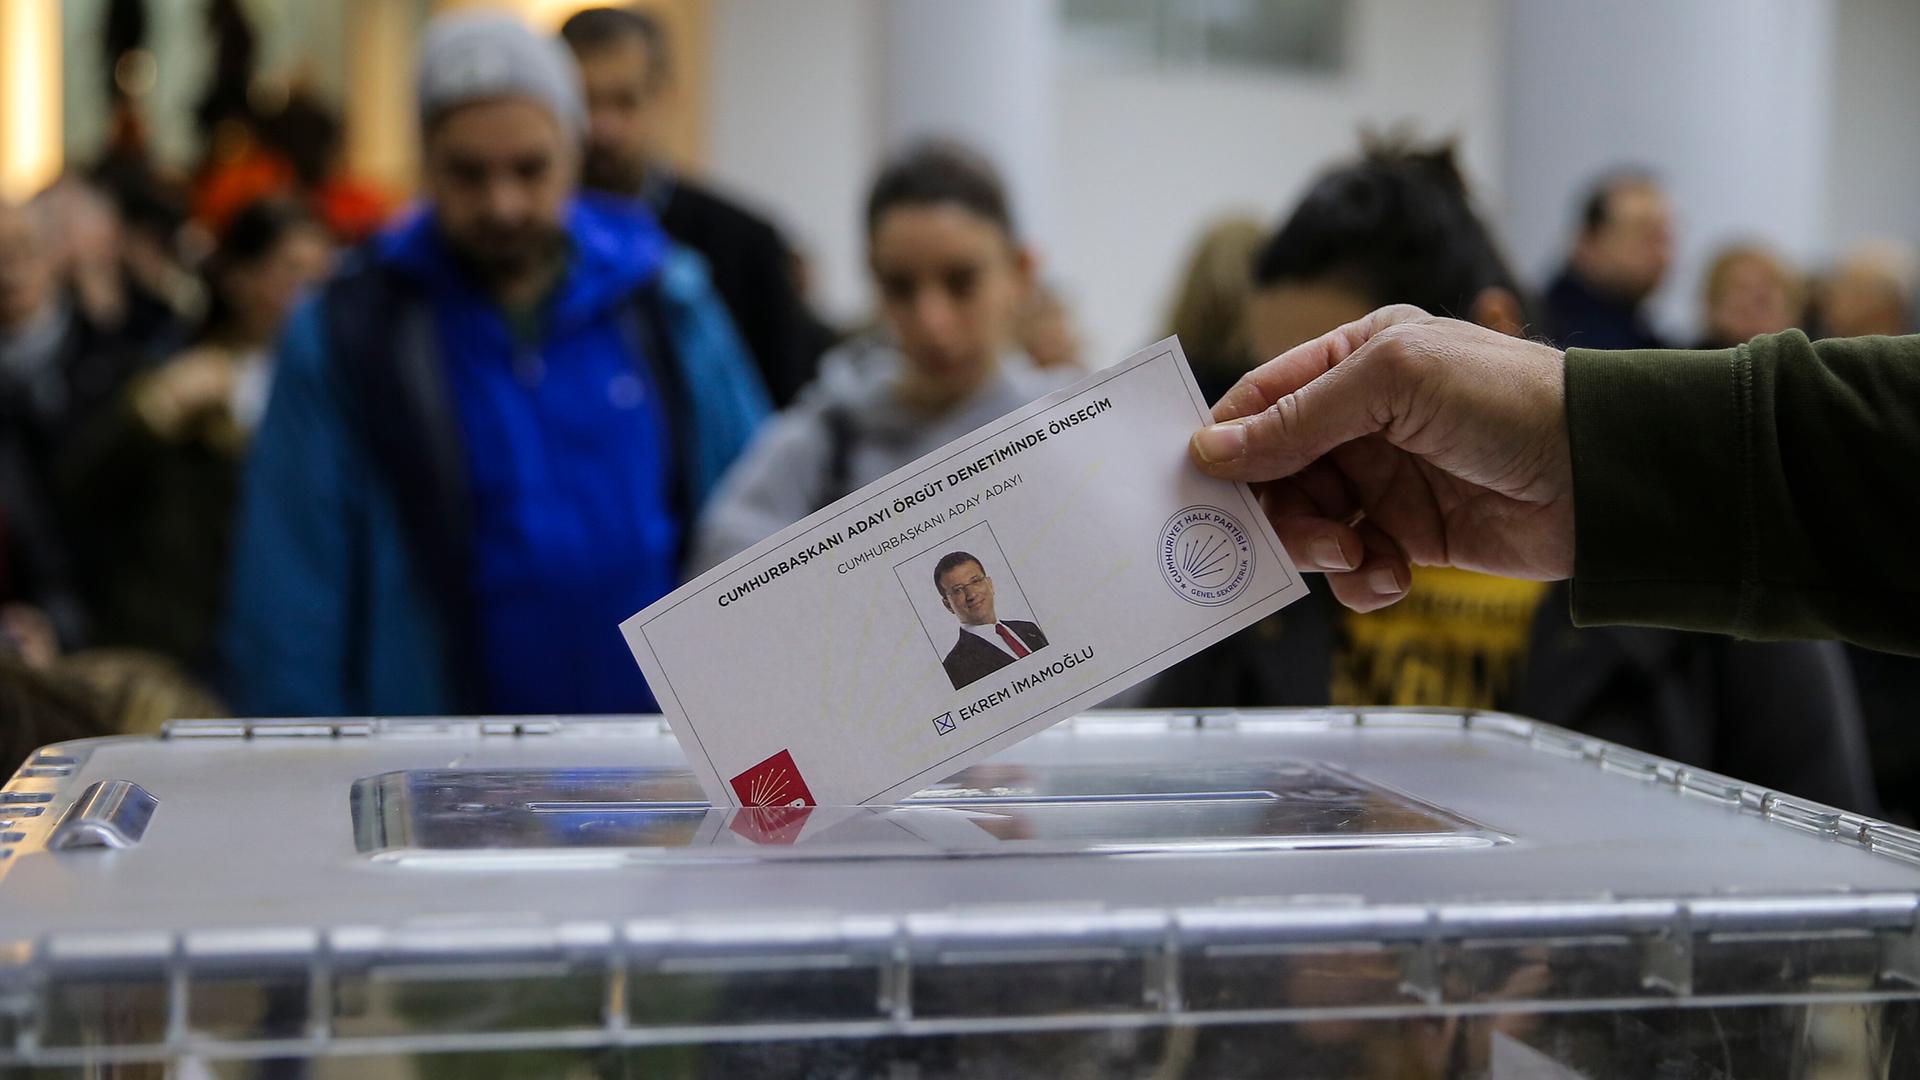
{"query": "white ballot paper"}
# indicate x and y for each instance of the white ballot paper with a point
(1004, 582)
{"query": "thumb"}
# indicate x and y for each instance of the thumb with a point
(1350, 400)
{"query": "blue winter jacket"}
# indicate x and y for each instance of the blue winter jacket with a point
(352, 590)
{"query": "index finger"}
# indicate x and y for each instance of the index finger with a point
(1258, 389)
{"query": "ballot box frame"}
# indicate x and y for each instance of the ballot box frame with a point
(912, 970)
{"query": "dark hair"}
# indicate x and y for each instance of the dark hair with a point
(949, 561)
(940, 172)
(1597, 206)
(308, 134)
(236, 52)
(1398, 226)
(250, 236)
(151, 207)
(596, 28)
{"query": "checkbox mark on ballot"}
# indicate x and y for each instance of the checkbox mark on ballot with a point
(1024, 572)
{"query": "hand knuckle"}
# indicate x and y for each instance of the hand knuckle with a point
(1396, 350)
(1284, 419)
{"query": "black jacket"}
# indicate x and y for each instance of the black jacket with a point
(158, 516)
(42, 425)
(34, 563)
(1580, 316)
(83, 381)
(972, 659)
(1779, 714)
(752, 270)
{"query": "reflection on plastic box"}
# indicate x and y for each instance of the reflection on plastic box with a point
(433, 816)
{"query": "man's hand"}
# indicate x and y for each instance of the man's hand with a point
(1403, 438)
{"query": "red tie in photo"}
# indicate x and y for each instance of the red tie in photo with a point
(1020, 652)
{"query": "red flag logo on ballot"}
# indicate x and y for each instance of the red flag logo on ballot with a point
(774, 782)
(772, 824)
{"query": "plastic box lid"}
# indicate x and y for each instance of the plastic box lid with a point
(325, 887)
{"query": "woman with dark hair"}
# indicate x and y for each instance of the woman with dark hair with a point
(953, 279)
(156, 484)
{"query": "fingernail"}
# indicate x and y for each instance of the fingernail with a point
(1385, 582)
(1327, 554)
(1221, 442)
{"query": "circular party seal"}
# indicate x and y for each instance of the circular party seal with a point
(1206, 555)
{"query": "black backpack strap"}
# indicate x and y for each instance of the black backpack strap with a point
(836, 481)
(384, 347)
(643, 327)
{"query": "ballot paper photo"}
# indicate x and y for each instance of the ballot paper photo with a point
(1006, 581)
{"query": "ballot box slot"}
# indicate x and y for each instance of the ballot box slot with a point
(1087, 800)
(553, 818)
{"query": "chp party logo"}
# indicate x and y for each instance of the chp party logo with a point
(774, 782)
(773, 825)
(1206, 555)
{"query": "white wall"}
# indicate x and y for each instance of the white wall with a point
(808, 98)
(795, 126)
(982, 72)
(1147, 159)
(1726, 99)
(1874, 182)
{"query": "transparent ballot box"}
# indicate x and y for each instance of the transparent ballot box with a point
(1262, 893)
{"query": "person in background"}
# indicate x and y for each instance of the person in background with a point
(1209, 311)
(40, 611)
(490, 431)
(156, 486)
(1399, 226)
(79, 237)
(310, 136)
(1750, 290)
(627, 66)
(161, 252)
(59, 371)
(1047, 331)
(88, 696)
(42, 709)
(952, 277)
(295, 152)
(1620, 255)
(1872, 292)
(88, 249)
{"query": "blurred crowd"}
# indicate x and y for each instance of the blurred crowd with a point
(274, 441)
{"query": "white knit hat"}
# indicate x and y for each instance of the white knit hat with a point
(469, 57)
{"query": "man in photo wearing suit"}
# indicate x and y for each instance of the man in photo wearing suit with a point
(986, 644)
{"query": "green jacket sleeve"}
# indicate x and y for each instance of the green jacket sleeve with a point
(1768, 491)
